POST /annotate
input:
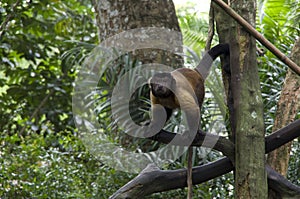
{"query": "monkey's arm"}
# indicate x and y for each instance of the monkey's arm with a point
(190, 106)
(160, 115)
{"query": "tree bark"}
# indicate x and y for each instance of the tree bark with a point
(287, 109)
(114, 17)
(224, 26)
(245, 104)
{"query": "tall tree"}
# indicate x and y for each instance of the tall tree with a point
(287, 109)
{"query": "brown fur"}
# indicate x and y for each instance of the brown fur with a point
(187, 94)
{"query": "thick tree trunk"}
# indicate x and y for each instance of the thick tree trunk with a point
(134, 20)
(245, 104)
(287, 108)
(250, 175)
(114, 17)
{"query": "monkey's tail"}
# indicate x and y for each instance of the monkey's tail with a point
(206, 62)
(189, 173)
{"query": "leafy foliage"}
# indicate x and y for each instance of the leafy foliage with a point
(31, 64)
(279, 23)
(42, 45)
(294, 164)
(194, 27)
(54, 166)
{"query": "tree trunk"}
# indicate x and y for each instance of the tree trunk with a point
(245, 105)
(224, 25)
(147, 31)
(287, 109)
(114, 17)
(133, 20)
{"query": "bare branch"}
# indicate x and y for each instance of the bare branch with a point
(211, 28)
(281, 185)
(153, 180)
(212, 141)
(222, 144)
(283, 136)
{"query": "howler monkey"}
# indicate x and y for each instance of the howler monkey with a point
(183, 88)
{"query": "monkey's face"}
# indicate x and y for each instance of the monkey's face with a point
(162, 84)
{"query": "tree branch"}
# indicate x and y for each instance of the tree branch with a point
(203, 139)
(222, 144)
(281, 185)
(283, 136)
(211, 28)
(153, 180)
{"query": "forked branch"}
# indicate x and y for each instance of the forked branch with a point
(153, 180)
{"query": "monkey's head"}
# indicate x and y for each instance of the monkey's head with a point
(162, 84)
